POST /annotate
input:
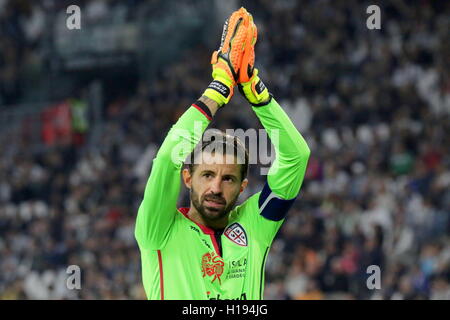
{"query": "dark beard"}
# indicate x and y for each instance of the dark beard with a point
(209, 213)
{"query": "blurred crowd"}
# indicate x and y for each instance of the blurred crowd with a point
(25, 29)
(374, 107)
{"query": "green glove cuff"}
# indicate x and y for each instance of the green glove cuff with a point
(254, 90)
(221, 88)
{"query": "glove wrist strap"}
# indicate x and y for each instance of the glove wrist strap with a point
(219, 91)
(255, 91)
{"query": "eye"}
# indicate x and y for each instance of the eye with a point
(228, 179)
(207, 175)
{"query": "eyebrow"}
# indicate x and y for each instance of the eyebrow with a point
(228, 175)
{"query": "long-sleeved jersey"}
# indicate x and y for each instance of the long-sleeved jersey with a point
(182, 259)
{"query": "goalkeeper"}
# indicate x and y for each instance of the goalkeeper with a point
(214, 250)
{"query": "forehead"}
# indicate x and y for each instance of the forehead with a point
(225, 164)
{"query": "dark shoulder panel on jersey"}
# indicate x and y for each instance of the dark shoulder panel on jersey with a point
(271, 206)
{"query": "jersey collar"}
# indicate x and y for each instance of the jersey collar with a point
(205, 229)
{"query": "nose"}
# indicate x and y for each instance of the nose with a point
(216, 185)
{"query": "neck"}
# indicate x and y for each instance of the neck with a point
(195, 216)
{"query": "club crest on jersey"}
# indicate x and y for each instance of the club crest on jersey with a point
(236, 233)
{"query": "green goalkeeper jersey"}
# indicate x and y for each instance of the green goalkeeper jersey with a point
(185, 260)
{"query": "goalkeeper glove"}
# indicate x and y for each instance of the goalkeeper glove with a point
(250, 85)
(255, 91)
(227, 60)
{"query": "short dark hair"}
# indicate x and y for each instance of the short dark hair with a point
(224, 143)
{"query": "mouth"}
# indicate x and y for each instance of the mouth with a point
(216, 204)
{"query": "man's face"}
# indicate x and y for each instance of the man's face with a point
(215, 187)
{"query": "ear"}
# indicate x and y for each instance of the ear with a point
(187, 178)
(244, 185)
